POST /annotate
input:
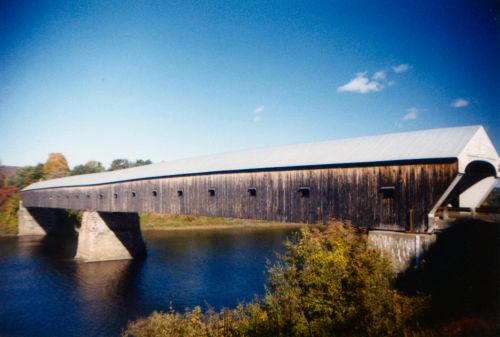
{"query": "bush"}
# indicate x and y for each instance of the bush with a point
(9, 204)
(327, 283)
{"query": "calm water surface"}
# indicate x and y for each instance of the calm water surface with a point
(43, 292)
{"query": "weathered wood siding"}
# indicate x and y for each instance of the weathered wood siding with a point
(344, 193)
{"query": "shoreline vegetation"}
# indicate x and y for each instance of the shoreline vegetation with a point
(331, 282)
(328, 282)
(9, 205)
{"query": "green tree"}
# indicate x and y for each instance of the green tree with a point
(9, 205)
(3, 179)
(89, 167)
(141, 162)
(27, 175)
(119, 164)
(56, 166)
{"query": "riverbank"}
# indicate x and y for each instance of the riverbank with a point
(159, 221)
(154, 221)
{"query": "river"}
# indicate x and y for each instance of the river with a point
(44, 292)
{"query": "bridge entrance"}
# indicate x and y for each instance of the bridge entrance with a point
(466, 193)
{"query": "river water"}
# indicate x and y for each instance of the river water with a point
(44, 292)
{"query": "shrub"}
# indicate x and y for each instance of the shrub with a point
(327, 283)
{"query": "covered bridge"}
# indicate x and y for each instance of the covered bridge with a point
(393, 181)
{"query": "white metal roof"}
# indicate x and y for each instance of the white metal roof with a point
(466, 143)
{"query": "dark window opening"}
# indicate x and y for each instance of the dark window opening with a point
(211, 192)
(155, 193)
(252, 191)
(116, 195)
(88, 196)
(387, 191)
(134, 194)
(77, 196)
(304, 192)
(101, 196)
(180, 193)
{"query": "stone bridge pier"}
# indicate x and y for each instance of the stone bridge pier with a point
(103, 236)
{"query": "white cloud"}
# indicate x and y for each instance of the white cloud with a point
(411, 114)
(401, 68)
(459, 103)
(361, 84)
(379, 75)
(257, 112)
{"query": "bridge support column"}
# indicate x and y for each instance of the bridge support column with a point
(108, 236)
(33, 221)
(404, 249)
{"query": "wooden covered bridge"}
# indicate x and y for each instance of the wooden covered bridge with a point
(390, 182)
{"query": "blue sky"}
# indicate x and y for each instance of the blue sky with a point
(166, 80)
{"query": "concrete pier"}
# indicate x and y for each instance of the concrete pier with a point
(404, 249)
(108, 236)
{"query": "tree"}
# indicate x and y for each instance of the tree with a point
(56, 166)
(27, 175)
(331, 283)
(91, 166)
(9, 204)
(3, 180)
(119, 164)
(141, 162)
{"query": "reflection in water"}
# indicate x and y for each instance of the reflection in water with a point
(100, 280)
(106, 288)
(44, 292)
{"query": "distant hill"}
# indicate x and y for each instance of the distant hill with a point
(8, 171)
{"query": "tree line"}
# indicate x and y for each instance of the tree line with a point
(57, 166)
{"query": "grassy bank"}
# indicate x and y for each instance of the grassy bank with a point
(158, 221)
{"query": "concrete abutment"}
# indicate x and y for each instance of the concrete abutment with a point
(34, 221)
(103, 236)
(403, 249)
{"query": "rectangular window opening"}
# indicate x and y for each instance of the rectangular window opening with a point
(252, 191)
(211, 192)
(180, 193)
(387, 191)
(304, 192)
